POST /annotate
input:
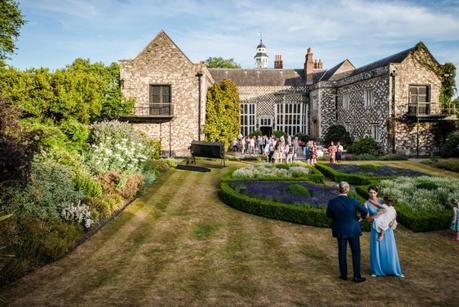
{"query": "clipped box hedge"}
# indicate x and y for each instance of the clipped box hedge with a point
(314, 176)
(338, 176)
(280, 211)
(417, 221)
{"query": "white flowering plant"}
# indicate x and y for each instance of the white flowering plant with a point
(271, 171)
(78, 212)
(117, 146)
(422, 194)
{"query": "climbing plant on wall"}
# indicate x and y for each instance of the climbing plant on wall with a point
(222, 113)
(446, 73)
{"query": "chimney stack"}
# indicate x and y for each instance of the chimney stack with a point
(278, 64)
(309, 66)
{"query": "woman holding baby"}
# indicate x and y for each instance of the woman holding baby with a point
(383, 248)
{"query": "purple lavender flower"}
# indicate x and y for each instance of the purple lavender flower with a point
(374, 170)
(277, 191)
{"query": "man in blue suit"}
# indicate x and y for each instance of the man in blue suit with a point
(346, 228)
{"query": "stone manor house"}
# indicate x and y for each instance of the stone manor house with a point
(394, 100)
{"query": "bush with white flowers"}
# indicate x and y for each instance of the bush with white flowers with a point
(422, 193)
(268, 171)
(77, 213)
(117, 146)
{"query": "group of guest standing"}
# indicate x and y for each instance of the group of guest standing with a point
(384, 258)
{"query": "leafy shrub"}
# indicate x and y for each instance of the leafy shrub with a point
(255, 133)
(451, 147)
(76, 132)
(105, 206)
(110, 181)
(155, 149)
(279, 133)
(78, 213)
(337, 133)
(90, 186)
(450, 164)
(297, 189)
(303, 137)
(422, 203)
(51, 187)
(17, 147)
(132, 185)
(117, 146)
(365, 146)
(50, 136)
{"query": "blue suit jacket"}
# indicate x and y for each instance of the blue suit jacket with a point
(342, 210)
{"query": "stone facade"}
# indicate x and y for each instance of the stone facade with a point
(163, 63)
(370, 101)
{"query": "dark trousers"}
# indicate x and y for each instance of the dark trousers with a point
(354, 243)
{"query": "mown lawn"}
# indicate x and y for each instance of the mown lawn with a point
(179, 245)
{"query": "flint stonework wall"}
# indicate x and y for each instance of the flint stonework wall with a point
(412, 72)
(163, 63)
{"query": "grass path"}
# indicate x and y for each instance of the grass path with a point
(179, 245)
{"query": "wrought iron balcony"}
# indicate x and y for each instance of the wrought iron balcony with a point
(423, 112)
(153, 112)
(419, 109)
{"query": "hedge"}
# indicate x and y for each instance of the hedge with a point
(314, 176)
(338, 176)
(285, 212)
(417, 221)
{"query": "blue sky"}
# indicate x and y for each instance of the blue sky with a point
(58, 31)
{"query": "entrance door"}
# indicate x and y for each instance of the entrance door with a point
(266, 130)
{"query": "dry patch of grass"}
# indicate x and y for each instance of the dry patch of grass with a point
(179, 245)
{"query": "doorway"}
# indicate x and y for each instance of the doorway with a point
(266, 130)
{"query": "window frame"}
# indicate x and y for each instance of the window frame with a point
(161, 93)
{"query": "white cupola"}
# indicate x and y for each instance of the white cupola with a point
(261, 58)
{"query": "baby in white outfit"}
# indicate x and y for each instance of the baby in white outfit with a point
(385, 220)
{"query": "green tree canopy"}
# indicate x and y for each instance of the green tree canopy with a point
(219, 62)
(448, 87)
(222, 113)
(11, 20)
(83, 91)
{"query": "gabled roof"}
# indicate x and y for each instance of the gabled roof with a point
(260, 77)
(395, 58)
(335, 70)
(163, 34)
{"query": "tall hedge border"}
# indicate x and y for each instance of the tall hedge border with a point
(417, 221)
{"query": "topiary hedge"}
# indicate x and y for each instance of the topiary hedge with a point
(416, 221)
(276, 210)
(338, 176)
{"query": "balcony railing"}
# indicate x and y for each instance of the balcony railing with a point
(419, 109)
(154, 110)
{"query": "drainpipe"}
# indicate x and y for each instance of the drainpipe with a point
(199, 75)
(393, 74)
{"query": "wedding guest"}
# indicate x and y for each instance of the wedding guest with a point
(346, 229)
(332, 152)
(455, 223)
(339, 152)
(314, 153)
(384, 258)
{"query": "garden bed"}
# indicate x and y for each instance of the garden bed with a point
(363, 174)
(422, 203)
(299, 202)
(297, 171)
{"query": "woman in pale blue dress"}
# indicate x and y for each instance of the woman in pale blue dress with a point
(383, 253)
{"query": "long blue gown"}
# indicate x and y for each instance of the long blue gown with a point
(383, 253)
